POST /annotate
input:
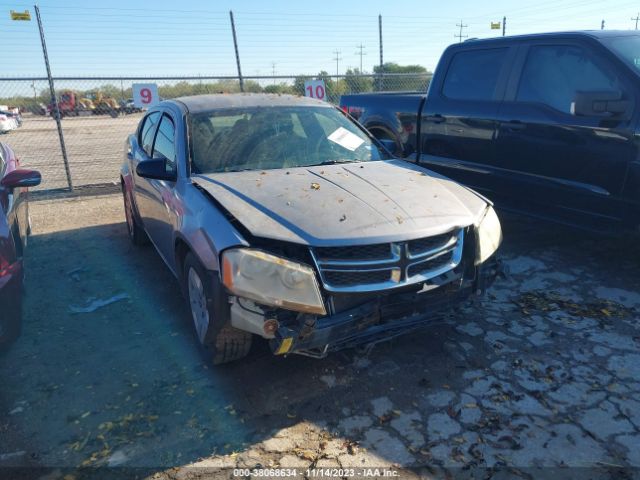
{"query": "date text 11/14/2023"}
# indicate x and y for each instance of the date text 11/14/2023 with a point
(317, 472)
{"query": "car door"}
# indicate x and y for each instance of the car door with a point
(459, 120)
(555, 161)
(13, 202)
(155, 198)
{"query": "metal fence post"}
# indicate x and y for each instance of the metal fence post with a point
(54, 99)
(235, 45)
(380, 81)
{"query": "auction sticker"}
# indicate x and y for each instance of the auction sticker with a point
(346, 139)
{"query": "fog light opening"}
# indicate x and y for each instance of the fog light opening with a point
(270, 326)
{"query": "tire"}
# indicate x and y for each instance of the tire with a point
(137, 235)
(209, 307)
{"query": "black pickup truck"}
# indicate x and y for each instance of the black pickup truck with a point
(544, 124)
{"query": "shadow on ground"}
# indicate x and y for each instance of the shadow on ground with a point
(126, 385)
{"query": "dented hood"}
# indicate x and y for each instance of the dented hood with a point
(352, 203)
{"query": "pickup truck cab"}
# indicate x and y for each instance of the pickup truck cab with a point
(542, 124)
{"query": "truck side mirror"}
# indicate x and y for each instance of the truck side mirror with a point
(600, 103)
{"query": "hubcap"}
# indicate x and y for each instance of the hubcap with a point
(198, 302)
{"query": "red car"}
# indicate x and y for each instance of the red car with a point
(14, 228)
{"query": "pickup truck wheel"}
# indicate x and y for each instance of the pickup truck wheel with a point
(137, 235)
(206, 302)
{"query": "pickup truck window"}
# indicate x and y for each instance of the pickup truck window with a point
(276, 137)
(627, 47)
(473, 74)
(553, 74)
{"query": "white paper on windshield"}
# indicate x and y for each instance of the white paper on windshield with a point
(346, 139)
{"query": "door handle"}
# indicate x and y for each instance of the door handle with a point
(513, 125)
(437, 118)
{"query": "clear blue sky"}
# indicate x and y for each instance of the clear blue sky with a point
(193, 37)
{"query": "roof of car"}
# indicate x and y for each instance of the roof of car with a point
(577, 33)
(203, 103)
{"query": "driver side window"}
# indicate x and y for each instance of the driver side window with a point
(147, 133)
(553, 74)
(164, 145)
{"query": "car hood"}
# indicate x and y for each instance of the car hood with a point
(353, 203)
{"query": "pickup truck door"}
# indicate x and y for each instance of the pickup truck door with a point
(155, 198)
(460, 117)
(552, 160)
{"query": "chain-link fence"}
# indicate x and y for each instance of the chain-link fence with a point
(96, 128)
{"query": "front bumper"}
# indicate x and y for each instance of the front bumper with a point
(386, 316)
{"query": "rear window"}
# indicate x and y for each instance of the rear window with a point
(473, 74)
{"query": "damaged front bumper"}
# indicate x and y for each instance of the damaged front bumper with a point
(385, 316)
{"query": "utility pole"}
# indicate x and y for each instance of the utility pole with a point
(235, 45)
(54, 99)
(361, 53)
(636, 19)
(602, 25)
(337, 58)
(460, 36)
(273, 71)
(504, 25)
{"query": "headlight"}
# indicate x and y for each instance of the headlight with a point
(489, 235)
(271, 280)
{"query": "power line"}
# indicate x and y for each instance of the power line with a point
(459, 36)
(361, 53)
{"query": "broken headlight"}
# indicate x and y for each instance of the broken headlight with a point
(271, 280)
(488, 235)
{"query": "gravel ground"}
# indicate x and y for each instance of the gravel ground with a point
(95, 147)
(539, 379)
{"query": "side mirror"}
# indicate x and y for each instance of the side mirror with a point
(21, 178)
(600, 103)
(156, 169)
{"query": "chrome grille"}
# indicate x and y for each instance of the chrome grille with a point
(366, 268)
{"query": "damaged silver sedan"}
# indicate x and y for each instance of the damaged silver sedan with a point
(282, 218)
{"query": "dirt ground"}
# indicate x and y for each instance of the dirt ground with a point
(540, 379)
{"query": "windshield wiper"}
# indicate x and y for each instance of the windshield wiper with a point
(334, 162)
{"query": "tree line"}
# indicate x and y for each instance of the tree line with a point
(416, 78)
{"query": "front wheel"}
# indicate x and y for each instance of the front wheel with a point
(137, 235)
(209, 311)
